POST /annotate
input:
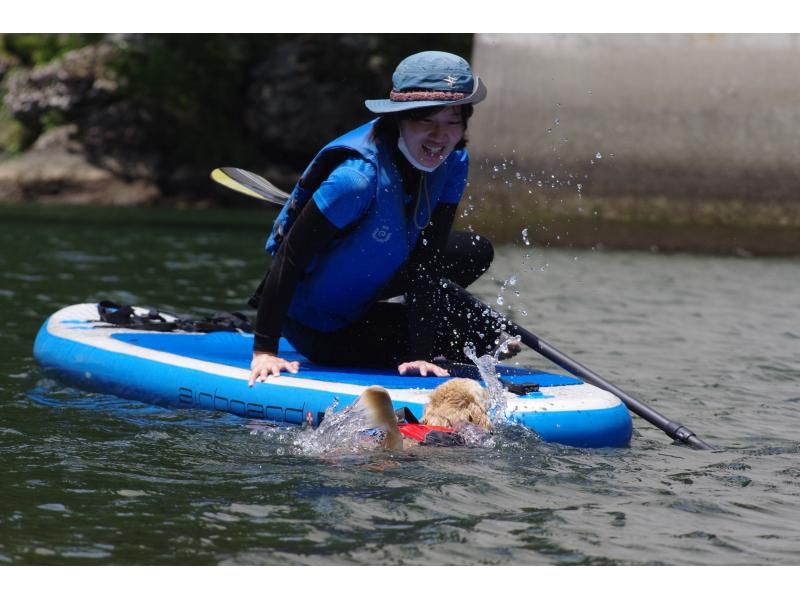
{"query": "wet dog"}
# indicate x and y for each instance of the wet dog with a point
(456, 404)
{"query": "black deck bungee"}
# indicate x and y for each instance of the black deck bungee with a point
(125, 317)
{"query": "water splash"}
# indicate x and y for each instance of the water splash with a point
(347, 431)
(487, 367)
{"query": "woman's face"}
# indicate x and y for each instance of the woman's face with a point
(431, 139)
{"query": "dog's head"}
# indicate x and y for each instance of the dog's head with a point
(457, 402)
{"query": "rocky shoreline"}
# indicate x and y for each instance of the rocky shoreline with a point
(143, 119)
(105, 125)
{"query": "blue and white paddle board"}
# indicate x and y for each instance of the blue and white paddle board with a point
(211, 370)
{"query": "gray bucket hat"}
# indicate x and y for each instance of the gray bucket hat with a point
(430, 79)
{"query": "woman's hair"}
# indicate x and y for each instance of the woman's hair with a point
(388, 126)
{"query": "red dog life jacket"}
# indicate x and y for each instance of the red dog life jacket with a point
(431, 435)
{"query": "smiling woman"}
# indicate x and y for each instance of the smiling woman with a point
(371, 219)
(429, 135)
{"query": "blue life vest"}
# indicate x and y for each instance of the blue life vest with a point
(341, 283)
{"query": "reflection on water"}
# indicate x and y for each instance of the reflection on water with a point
(711, 342)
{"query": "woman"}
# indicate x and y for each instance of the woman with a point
(369, 220)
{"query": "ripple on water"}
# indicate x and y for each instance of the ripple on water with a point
(84, 553)
(177, 488)
(57, 507)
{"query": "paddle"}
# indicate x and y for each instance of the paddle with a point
(249, 183)
(674, 430)
(255, 186)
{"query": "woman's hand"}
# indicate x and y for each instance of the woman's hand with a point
(421, 368)
(266, 364)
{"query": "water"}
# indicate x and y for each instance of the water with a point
(711, 342)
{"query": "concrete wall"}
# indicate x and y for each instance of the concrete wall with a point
(712, 116)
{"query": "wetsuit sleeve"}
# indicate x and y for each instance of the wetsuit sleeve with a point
(457, 179)
(308, 236)
(347, 193)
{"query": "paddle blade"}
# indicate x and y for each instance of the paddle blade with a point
(249, 183)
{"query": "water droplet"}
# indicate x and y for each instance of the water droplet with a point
(499, 300)
(599, 156)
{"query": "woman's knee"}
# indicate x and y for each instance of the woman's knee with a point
(468, 256)
(484, 252)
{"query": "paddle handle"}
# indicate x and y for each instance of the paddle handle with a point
(673, 429)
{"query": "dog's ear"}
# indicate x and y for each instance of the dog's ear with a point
(436, 410)
(436, 394)
(476, 415)
(482, 397)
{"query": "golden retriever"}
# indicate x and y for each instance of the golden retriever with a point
(455, 403)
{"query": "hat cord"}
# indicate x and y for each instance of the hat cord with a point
(422, 188)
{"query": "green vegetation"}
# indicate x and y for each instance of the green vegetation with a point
(32, 49)
(195, 85)
(12, 134)
(199, 84)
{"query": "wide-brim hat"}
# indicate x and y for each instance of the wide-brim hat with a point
(430, 79)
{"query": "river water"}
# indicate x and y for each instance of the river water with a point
(712, 342)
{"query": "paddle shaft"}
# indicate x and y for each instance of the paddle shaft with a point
(672, 429)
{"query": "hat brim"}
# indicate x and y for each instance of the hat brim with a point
(387, 106)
